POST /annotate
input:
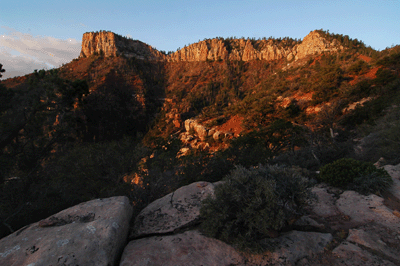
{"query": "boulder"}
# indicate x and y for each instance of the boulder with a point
(393, 170)
(292, 247)
(91, 233)
(306, 223)
(176, 210)
(325, 204)
(211, 132)
(201, 131)
(352, 255)
(395, 188)
(364, 209)
(375, 241)
(188, 248)
(218, 135)
(182, 152)
(188, 124)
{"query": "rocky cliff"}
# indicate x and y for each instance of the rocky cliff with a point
(112, 44)
(247, 50)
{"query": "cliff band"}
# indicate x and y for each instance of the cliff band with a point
(111, 44)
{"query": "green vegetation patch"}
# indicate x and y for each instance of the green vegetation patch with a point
(253, 204)
(362, 177)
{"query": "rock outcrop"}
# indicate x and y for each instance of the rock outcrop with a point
(353, 255)
(364, 209)
(247, 50)
(94, 233)
(291, 247)
(373, 229)
(174, 211)
(188, 248)
(111, 44)
(314, 43)
(192, 126)
(91, 233)
(215, 49)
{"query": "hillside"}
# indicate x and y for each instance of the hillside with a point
(126, 119)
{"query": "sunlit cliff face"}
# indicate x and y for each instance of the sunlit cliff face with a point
(111, 44)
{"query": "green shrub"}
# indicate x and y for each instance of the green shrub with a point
(374, 182)
(361, 176)
(253, 203)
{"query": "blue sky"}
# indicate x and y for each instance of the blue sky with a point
(44, 34)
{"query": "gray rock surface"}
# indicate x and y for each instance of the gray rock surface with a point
(188, 248)
(395, 188)
(174, 211)
(325, 204)
(308, 223)
(366, 209)
(91, 233)
(352, 255)
(294, 246)
(393, 170)
(374, 241)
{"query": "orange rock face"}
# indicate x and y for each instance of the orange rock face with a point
(93, 42)
(111, 44)
(247, 50)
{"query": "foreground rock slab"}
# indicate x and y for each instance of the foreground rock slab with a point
(91, 233)
(352, 255)
(174, 211)
(325, 204)
(393, 170)
(367, 209)
(378, 241)
(188, 248)
(292, 247)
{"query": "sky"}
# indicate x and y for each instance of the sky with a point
(46, 34)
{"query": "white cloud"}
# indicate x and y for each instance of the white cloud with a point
(21, 53)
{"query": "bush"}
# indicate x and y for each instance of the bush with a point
(362, 177)
(374, 182)
(253, 203)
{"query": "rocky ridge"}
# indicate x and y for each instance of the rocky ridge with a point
(215, 49)
(247, 50)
